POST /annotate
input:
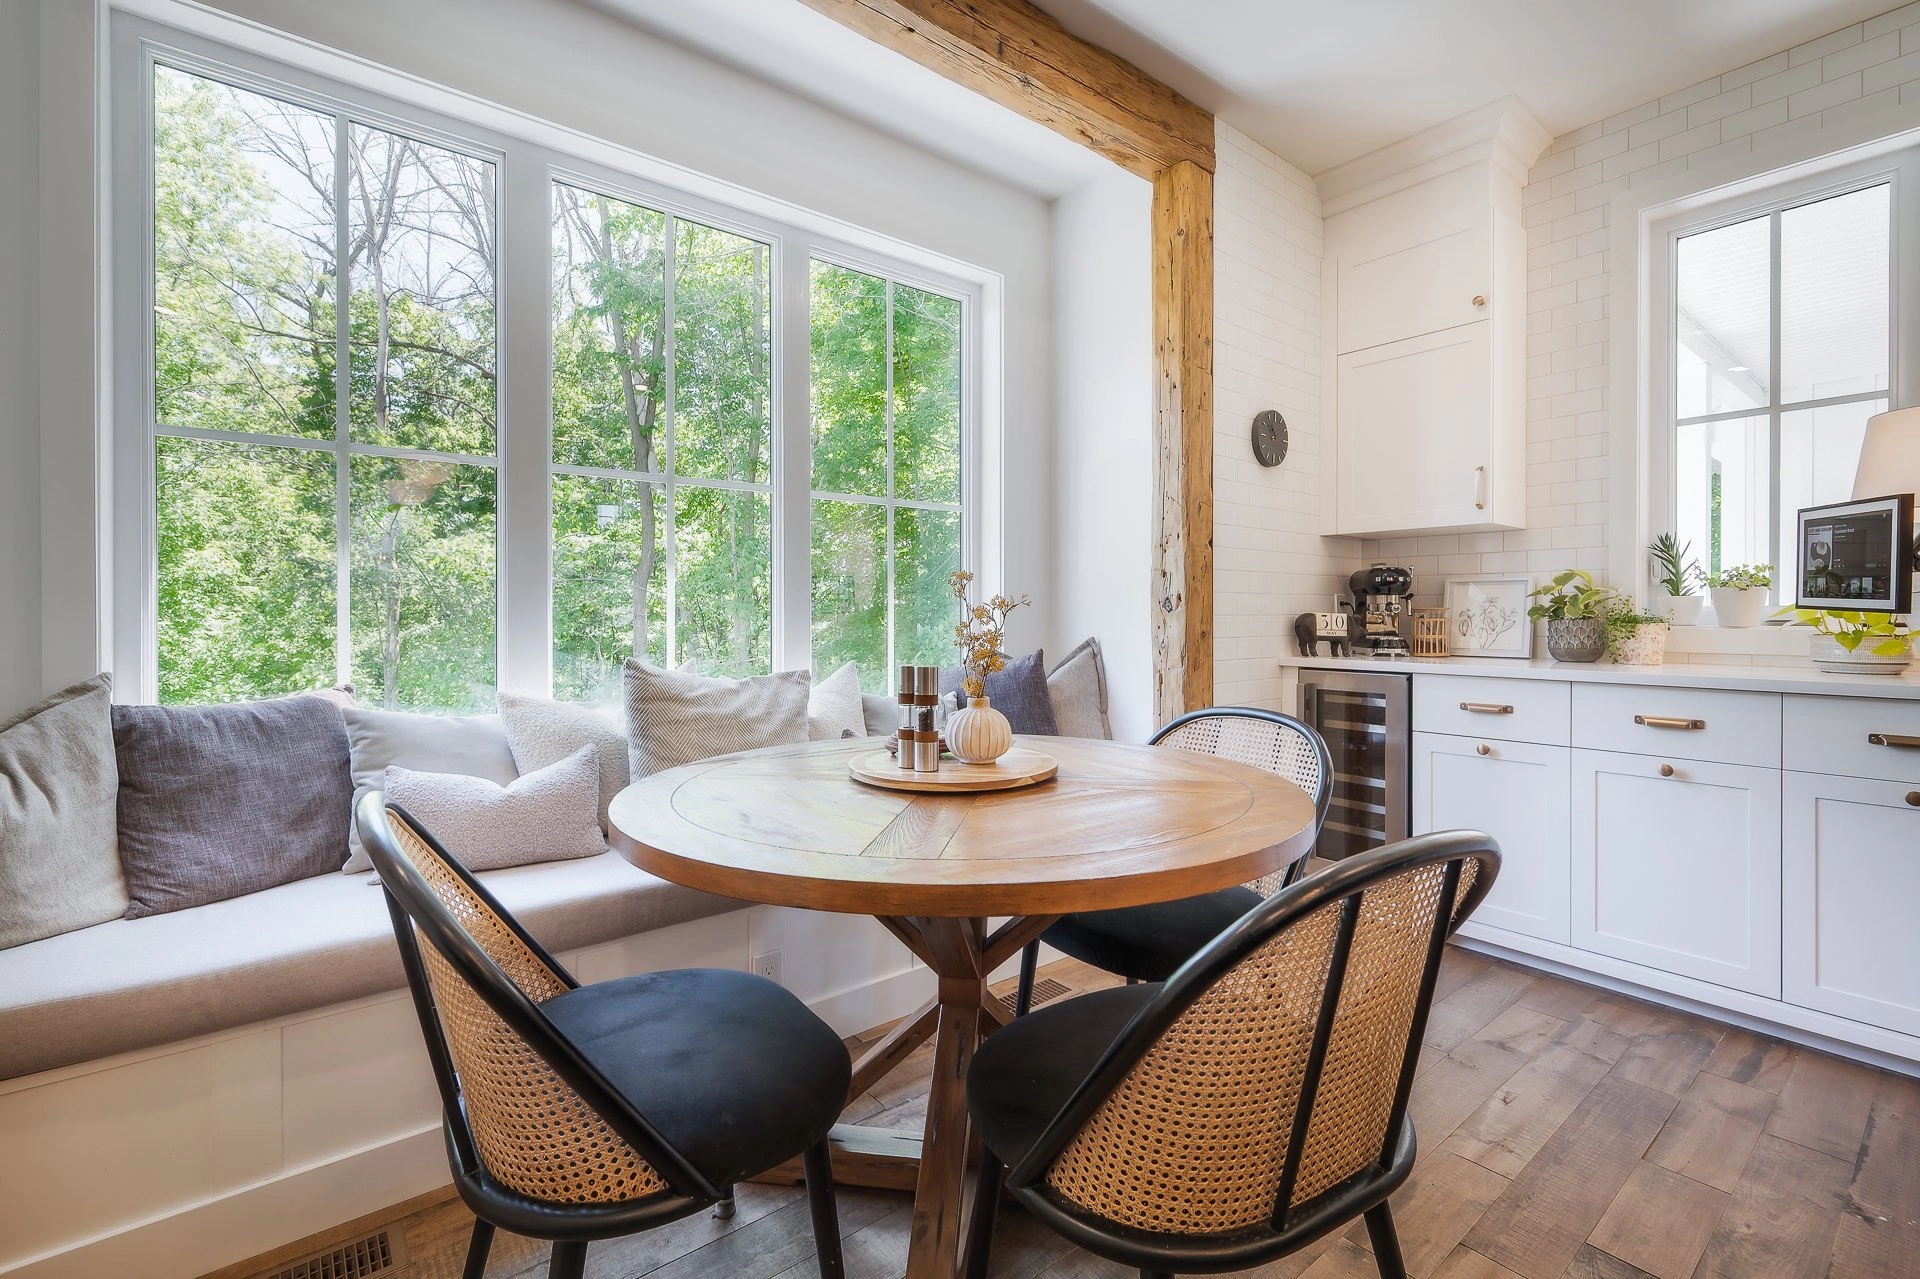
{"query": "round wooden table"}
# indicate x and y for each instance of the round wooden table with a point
(1121, 825)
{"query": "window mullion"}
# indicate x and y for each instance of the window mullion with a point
(893, 656)
(670, 356)
(1773, 390)
(792, 472)
(523, 435)
(342, 406)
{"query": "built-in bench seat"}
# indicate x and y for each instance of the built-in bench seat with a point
(138, 983)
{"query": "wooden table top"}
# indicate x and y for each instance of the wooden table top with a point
(1121, 825)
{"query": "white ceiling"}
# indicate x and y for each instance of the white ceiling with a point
(1322, 81)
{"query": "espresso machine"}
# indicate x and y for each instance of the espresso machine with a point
(1381, 598)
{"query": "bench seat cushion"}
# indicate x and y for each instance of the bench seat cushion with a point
(137, 983)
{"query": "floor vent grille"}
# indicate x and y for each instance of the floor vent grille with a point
(1043, 990)
(380, 1253)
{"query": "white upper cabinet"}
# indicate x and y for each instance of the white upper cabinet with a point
(1424, 312)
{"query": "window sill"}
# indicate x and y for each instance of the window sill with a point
(1764, 640)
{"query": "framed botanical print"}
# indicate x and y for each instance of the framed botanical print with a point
(1487, 616)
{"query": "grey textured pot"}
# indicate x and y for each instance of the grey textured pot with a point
(1576, 639)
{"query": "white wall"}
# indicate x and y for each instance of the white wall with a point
(1103, 437)
(1828, 84)
(20, 682)
(1270, 562)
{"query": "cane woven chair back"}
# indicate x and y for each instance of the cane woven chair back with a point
(1280, 744)
(532, 1131)
(1283, 1072)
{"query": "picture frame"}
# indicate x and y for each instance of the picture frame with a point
(1487, 615)
(1857, 556)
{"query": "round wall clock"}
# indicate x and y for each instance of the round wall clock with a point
(1269, 437)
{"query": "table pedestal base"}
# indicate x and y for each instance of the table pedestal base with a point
(934, 1165)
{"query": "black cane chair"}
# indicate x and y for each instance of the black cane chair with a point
(575, 1113)
(1254, 1102)
(1146, 943)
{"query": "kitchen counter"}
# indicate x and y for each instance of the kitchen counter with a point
(1801, 678)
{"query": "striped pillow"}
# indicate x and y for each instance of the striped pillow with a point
(675, 718)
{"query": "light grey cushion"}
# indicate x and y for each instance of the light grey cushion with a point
(541, 731)
(834, 708)
(675, 719)
(548, 815)
(472, 744)
(58, 789)
(1078, 689)
(136, 983)
(882, 714)
(221, 801)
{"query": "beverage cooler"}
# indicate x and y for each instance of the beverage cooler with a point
(1363, 719)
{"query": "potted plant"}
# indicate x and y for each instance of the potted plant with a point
(977, 733)
(1679, 575)
(1851, 643)
(1634, 638)
(1740, 594)
(1573, 606)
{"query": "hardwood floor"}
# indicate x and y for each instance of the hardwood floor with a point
(1565, 1133)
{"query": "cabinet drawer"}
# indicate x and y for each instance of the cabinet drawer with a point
(1838, 735)
(1681, 723)
(1507, 710)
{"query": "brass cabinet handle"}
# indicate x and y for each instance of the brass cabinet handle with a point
(1666, 770)
(1913, 798)
(1900, 740)
(1483, 749)
(1486, 708)
(1674, 721)
(1479, 494)
(1479, 299)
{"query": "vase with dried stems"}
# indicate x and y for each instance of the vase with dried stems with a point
(977, 733)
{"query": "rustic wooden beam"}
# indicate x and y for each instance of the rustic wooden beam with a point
(1023, 59)
(1183, 440)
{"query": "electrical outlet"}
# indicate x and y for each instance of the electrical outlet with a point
(767, 965)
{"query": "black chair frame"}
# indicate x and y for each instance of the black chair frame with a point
(1291, 1228)
(1322, 797)
(411, 901)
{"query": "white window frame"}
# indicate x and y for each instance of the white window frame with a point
(531, 155)
(1645, 223)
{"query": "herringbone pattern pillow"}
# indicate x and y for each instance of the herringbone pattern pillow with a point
(675, 718)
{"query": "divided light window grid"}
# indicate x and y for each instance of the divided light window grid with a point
(335, 497)
(1782, 351)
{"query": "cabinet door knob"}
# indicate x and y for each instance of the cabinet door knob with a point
(1913, 798)
(1479, 299)
(1666, 770)
(1483, 749)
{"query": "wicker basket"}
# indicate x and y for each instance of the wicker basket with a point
(1430, 632)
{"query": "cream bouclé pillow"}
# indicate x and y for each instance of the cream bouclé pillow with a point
(541, 731)
(834, 709)
(549, 815)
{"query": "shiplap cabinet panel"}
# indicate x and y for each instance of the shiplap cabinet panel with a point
(1517, 793)
(1679, 871)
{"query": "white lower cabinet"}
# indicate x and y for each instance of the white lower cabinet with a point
(1852, 922)
(1517, 793)
(1676, 865)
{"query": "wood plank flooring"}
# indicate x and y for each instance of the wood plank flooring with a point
(1565, 1133)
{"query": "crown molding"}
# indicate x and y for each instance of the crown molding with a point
(1503, 133)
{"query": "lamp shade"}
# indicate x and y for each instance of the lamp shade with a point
(1890, 455)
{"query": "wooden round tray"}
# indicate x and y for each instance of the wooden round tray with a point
(1018, 767)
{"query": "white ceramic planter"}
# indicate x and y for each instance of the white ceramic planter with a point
(1828, 656)
(977, 733)
(1739, 608)
(1684, 610)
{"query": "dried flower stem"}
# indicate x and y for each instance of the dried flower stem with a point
(980, 634)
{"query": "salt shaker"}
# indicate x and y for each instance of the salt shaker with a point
(909, 731)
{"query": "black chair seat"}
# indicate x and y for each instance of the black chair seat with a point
(1148, 943)
(731, 1069)
(1022, 1076)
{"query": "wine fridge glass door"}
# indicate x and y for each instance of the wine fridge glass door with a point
(1364, 723)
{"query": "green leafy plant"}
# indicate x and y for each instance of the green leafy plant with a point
(1850, 630)
(1680, 573)
(1745, 577)
(1621, 620)
(1570, 596)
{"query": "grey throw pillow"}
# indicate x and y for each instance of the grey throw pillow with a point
(543, 816)
(1019, 692)
(882, 714)
(59, 787)
(834, 709)
(475, 745)
(541, 731)
(222, 801)
(675, 719)
(1077, 687)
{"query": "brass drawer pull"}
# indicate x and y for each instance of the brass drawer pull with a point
(1666, 770)
(1483, 749)
(1901, 740)
(1913, 798)
(1671, 721)
(1486, 708)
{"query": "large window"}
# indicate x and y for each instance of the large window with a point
(331, 423)
(1781, 351)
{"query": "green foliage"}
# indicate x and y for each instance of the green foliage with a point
(1746, 577)
(1621, 619)
(1850, 629)
(1571, 595)
(1679, 573)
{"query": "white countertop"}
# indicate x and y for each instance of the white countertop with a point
(1801, 678)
